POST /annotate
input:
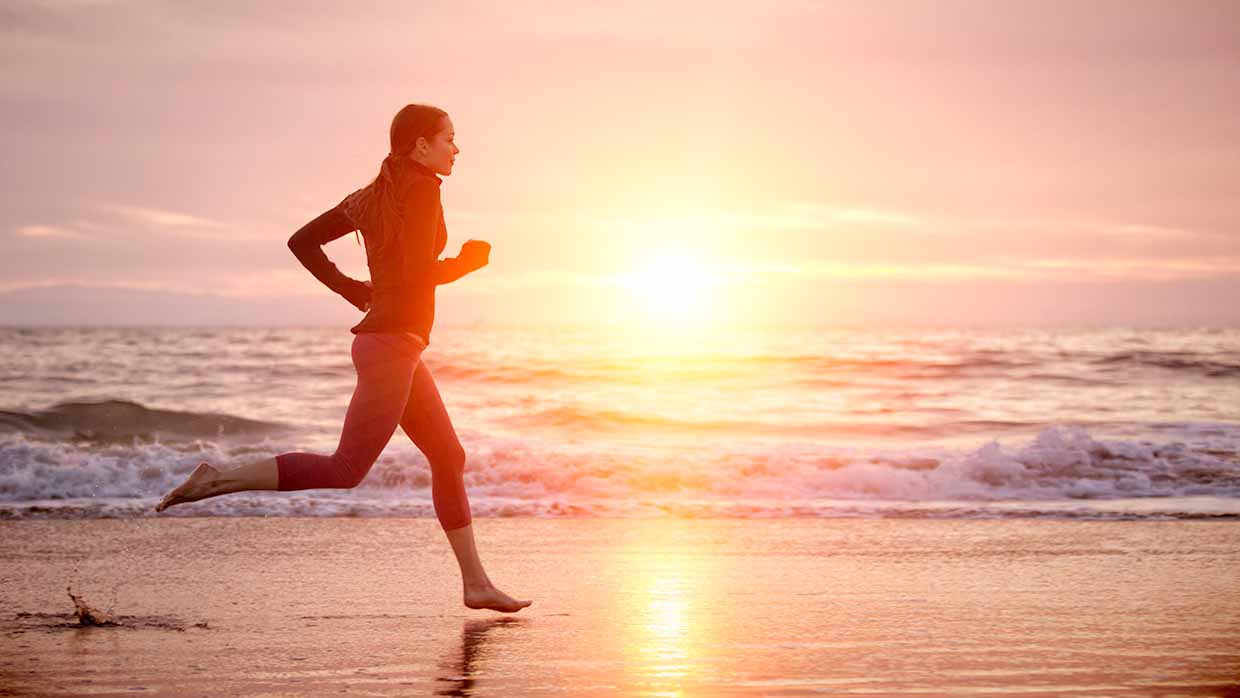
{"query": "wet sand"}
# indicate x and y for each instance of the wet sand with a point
(723, 607)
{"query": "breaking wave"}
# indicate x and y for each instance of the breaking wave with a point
(1063, 471)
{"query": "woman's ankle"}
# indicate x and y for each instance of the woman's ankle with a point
(259, 475)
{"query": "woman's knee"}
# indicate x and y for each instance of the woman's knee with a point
(451, 460)
(350, 472)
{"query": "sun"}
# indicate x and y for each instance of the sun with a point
(673, 285)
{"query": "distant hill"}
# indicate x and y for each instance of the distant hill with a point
(73, 304)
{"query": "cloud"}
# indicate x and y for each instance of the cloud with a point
(876, 217)
(537, 279)
(1135, 269)
(1154, 232)
(1038, 269)
(181, 224)
(55, 282)
(817, 214)
(123, 218)
(844, 270)
(267, 284)
(818, 217)
(787, 216)
(160, 218)
(48, 231)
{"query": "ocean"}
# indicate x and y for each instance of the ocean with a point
(100, 422)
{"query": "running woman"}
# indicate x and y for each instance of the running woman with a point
(401, 220)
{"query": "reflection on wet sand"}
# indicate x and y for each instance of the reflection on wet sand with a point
(460, 682)
(665, 654)
(666, 600)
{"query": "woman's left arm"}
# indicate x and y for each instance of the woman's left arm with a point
(451, 269)
(473, 256)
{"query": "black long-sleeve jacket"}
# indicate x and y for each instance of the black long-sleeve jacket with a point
(404, 274)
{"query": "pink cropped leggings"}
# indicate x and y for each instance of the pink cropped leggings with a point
(393, 387)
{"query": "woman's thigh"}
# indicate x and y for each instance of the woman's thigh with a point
(385, 367)
(426, 420)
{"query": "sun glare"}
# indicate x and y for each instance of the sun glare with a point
(673, 286)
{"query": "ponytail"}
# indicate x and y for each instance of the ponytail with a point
(383, 200)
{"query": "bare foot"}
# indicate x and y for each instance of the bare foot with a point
(494, 599)
(195, 487)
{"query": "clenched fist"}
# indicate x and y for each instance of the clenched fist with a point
(475, 253)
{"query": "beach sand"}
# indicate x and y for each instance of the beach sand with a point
(643, 607)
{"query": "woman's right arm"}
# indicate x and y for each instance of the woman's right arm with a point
(307, 244)
(422, 216)
(422, 222)
(474, 256)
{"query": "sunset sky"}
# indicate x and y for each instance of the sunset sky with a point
(857, 163)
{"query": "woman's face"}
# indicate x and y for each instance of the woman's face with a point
(439, 152)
